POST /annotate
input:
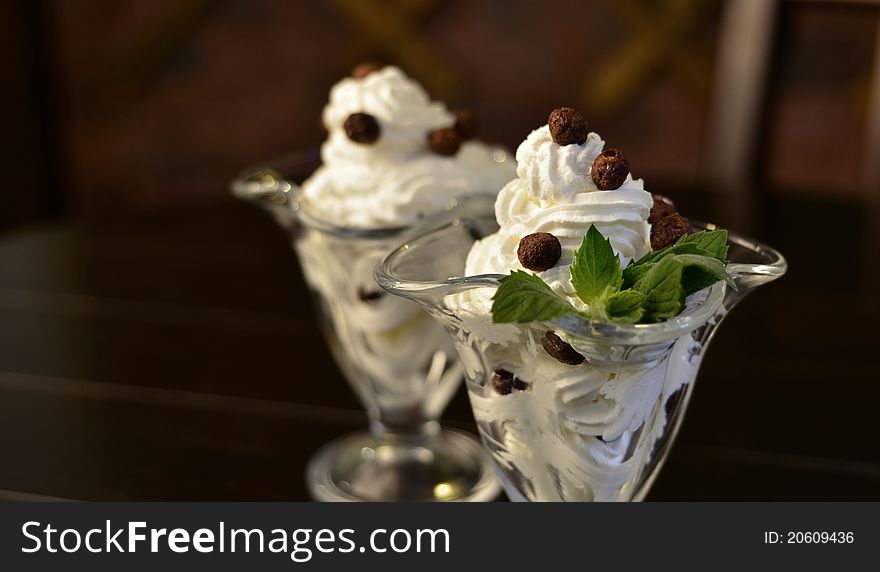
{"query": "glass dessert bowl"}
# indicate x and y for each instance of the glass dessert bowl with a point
(581, 361)
(398, 360)
(603, 435)
(394, 164)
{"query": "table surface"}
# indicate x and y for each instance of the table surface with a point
(174, 356)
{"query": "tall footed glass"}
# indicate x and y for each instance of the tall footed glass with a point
(598, 431)
(398, 360)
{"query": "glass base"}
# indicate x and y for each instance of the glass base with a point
(450, 466)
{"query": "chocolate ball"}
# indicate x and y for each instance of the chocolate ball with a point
(539, 251)
(369, 296)
(467, 124)
(445, 141)
(362, 128)
(561, 350)
(610, 169)
(662, 207)
(567, 126)
(364, 69)
(668, 230)
(504, 382)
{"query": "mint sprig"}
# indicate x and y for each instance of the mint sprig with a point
(651, 289)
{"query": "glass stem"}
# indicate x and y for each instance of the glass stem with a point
(403, 426)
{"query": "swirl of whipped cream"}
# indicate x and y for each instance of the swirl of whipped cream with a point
(556, 172)
(555, 193)
(401, 106)
(395, 180)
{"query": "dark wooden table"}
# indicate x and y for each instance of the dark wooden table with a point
(174, 356)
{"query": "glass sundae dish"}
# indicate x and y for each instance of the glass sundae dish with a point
(581, 312)
(394, 164)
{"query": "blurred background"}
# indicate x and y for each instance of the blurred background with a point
(157, 342)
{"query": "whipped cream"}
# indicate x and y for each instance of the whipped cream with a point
(578, 433)
(393, 352)
(554, 193)
(395, 180)
(582, 432)
(386, 345)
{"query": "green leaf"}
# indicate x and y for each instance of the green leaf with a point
(677, 248)
(625, 306)
(713, 242)
(524, 297)
(661, 285)
(595, 267)
(705, 243)
(633, 272)
(701, 272)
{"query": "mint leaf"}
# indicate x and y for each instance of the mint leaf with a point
(625, 307)
(701, 272)
(714, 243)
(661, 285)
(677, 248)
(595, 267)
(711, 244)
(705, 243)
(523, 297)
(633, 272)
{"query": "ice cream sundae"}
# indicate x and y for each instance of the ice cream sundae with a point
(569, 416)
(393, 160)
(392, 157)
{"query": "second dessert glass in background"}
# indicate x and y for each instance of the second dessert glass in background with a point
(394, 165)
